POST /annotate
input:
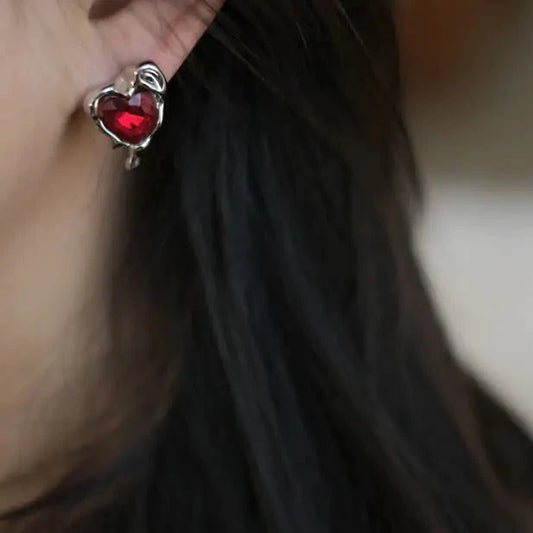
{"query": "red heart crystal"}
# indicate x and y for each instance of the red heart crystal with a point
(131, 119)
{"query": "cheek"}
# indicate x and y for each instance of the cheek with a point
(27, 132)
(30, 109)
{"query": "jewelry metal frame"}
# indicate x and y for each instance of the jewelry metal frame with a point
(147, 76)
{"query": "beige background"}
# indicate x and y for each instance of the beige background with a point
(474, 143)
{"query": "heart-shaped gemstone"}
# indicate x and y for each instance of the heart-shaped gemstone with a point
(131, 119)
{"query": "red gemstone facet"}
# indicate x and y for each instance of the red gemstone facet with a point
(131, 119)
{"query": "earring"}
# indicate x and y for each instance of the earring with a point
(130, 110)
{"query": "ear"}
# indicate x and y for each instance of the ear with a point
(125, 32)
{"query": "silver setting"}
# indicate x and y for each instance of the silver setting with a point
(132, 79)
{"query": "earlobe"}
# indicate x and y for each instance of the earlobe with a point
(140, 47)
(162, 31)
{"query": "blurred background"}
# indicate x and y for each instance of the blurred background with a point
(468, 67)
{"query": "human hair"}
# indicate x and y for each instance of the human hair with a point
(278, 365)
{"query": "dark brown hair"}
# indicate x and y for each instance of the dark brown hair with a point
(280, 364)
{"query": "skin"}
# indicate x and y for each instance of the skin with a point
(58, 188)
